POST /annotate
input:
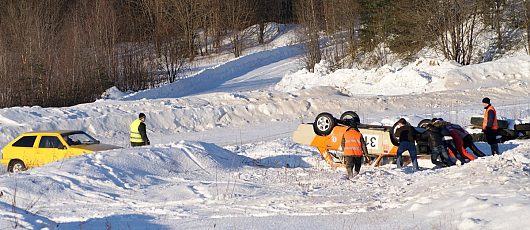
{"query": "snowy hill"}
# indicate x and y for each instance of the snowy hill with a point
(222, 156)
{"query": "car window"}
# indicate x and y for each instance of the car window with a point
(50, 142)
(79, 138)
(26, 141)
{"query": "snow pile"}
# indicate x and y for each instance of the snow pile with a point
(98, 184)
(113, 93)
(421, 76)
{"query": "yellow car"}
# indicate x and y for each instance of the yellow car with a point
(39, 148)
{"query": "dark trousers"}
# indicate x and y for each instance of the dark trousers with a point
(440, 151)
(491, 137)
(136, 144)
(450, 146)
(407, 146)
(468, 143)
(353, 161)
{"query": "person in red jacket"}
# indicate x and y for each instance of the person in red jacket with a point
(466, 139)
(490, 126)
(354, 148)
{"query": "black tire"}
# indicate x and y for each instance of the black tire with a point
(393, 137)
(424, 121)
(16, 166)
(324, 124)
(350, 115)
(522, 127)
(476, 122)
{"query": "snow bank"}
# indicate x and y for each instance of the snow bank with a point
(421, 76)
(97, 184)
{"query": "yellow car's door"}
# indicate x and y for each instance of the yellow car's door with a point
(24, 150)
(50, 149)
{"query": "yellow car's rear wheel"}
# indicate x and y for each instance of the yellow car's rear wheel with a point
(16, 166)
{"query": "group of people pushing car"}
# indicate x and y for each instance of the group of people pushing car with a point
(447, 141)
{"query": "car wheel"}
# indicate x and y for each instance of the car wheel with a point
(16, 166)
(324, 124)
(392, 133)
(424, 121)
(350, 115)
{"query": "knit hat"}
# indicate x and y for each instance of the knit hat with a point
(486, 100)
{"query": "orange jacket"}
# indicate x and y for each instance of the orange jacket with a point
(352, 143)
(494, 126)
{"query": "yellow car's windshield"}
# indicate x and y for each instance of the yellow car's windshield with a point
(79, 138)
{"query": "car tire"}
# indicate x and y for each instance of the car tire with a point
(392, 133)
(16, 166)
(424, 121)
(350, 115)
(522, 127)
(324, 124)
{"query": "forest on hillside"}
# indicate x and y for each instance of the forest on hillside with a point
(66, 52)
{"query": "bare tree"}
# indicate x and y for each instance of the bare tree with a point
(238, 19)
(307, 12)
(526, 7)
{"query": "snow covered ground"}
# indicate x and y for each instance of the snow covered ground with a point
(222, 156)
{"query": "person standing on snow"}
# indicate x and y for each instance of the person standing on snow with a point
(354, 148)
(438, 148)
(490, 126)
(138, 131)
(406, 135)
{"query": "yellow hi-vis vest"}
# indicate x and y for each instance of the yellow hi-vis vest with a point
(135, 133)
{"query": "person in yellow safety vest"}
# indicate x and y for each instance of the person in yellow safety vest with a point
(490, 126)
(139, 132)
(354, 148)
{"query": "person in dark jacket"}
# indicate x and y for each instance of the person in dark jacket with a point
(438, 148)
(407, 136)
(138, 136)
(354, 149)
(448, 141)
(490, 125)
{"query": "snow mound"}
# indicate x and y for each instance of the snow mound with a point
(126, 168)
(113, 93)
(422, 76)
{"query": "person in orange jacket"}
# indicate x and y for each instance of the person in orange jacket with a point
(490, 126)
(354, 148)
